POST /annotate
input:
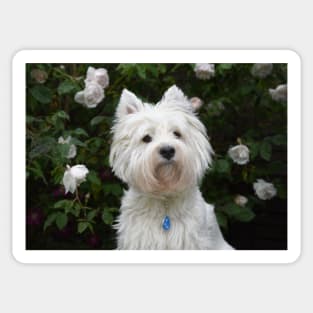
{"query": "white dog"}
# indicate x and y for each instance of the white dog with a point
(162, 151)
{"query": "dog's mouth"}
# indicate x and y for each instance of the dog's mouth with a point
(166, 163)
(168, 173)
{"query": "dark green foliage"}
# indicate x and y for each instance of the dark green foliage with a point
(237, 107)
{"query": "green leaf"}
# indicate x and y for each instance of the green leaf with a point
(97, 120)
(222, 166)
(40, 149)
(153, 69)
(76, 210)
(94, 144)
(80, 132)
(61, 220)
(63, 204)
(82, 226)
(254, 149)
(222, 220)
(57, 174)
(141, 70)
(126, 69)
(225, 66)
(279, 140)
(281, 191)
(161, 68)
(63, 149)
(49, 220)
(114, 189)
(77, 142)
(57, 119)
(42, 94)
(41, 146)
(31, 119)
(66, 87)
(246, 215)
(36, 169)
(93, 178)
(107, 217)
(246, 89)
(242, 214)
(91, 215)
(266, 151)
(62, 115)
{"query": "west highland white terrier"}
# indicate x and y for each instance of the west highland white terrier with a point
(161, 152)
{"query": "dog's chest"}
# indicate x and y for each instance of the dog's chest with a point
(143, 228)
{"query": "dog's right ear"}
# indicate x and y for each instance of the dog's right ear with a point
(129, 104)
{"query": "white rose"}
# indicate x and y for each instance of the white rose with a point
(196, 103)
(261, 70)
(279, 93)
(39, 76)
(241, 200)
(264, 190)
(99, 76)
(74, 176)
(239, 154)
(204, 70)
(72, 149)
(91, 96)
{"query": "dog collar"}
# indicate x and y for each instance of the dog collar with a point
(166, 224)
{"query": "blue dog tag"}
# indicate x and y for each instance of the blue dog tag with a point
(166, 223)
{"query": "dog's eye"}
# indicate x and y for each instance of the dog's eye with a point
(147, 139)
(177, 134)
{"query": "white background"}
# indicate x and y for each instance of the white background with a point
(151, 288)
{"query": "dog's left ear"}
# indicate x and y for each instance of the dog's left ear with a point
(129, 104)
(174, 96)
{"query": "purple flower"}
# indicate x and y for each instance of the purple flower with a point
(106, 174)
(94, 241)
(66, 233)
(58, 192)
(34, 217)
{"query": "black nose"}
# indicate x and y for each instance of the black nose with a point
(167, 152)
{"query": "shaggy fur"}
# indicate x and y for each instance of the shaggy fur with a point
(160, 186)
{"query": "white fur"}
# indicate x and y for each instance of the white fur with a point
(159, 187)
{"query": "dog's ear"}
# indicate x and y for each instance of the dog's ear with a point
(129, 104)
(174, 94)
(175, 97)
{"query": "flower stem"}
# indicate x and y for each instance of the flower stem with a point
(80, 203)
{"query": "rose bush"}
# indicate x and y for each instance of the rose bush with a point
(72, 195)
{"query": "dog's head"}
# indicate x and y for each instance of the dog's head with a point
(160, 148)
